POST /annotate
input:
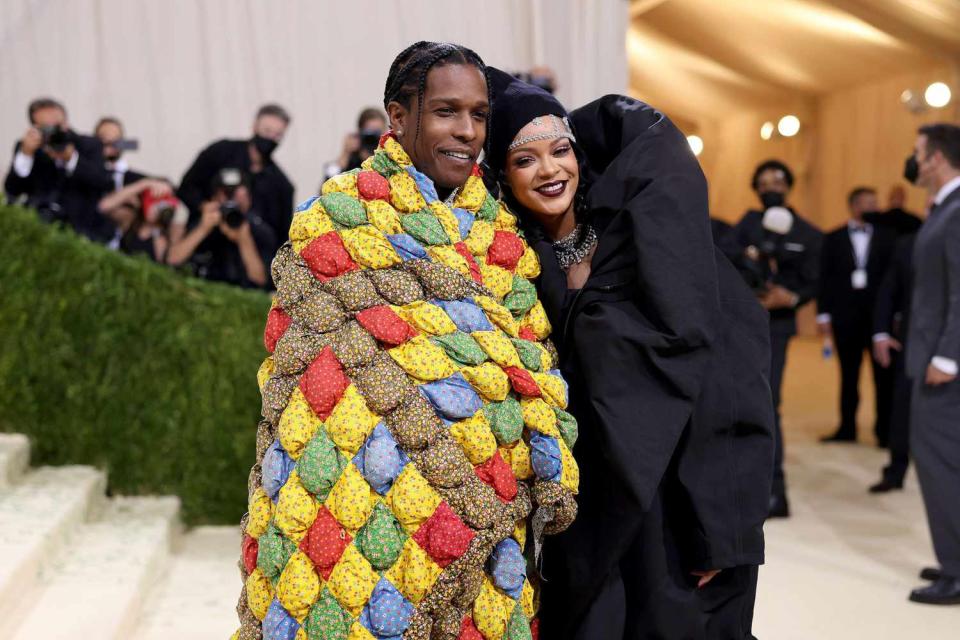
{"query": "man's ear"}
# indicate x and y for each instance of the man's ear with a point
(399, 117)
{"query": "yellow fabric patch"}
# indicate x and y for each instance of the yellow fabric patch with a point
(259, 593)
(491, 610)
(299, 586)
(526, 600)
(422, 359)
(517, 456)
(472, 195)
(265, 371)
(396, 152)
(480, 238)
(505, 221)
(352, 580)
(426, 317)
(570, 476)
(520, 533)
(498, 314)
(341, 183)
(475, 437)
(447, 220)
(296, 509)
(359, 632)
(497, 279)
(490, 381)
(260, 509)
(498, 347)
(383, 216)
(369, 247)
(351, 422)
(351, 499)
(538, 416)
(404, 194)
(447, 255)
(553, 389)
(412, 499)
(298, 424)
(414, 572)
(546, 360)
(537, 320)
(301, 633)
(309, 225)
(529, 265)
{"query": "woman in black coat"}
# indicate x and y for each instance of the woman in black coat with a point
(666, 352)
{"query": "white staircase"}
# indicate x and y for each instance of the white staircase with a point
(75, 564)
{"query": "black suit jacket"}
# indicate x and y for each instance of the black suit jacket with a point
(851, 310)
(891, 310)
(898, 220)
(77, 194)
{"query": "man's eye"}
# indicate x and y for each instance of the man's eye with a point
(445, 111)
(480, 115)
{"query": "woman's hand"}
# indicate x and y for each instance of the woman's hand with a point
(705, 577)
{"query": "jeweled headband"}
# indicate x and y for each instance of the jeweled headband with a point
(560, 129)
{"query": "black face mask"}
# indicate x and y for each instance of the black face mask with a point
(911, 169)
(772, 199)
(112, 159)
(264, 146)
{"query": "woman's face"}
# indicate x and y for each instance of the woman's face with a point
(453, 124)
(543, 174)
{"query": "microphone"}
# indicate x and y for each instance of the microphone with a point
(778, 220)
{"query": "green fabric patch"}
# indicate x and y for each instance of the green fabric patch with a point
(273, 552)
(381, 538)
(488, 210)
(568, 427)
(530, 354)
(518, 627)
(521, 298)
(425, 228)
(383, 165)
(320, 465)
(506, 420)
(345, 211)
(461, 348)
(327, 620)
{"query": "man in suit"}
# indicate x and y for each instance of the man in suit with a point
(933, 354)
(852, 262)
(59, 172)
(780, 258)
(891, 320)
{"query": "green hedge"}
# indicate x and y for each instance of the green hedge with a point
(129, 366)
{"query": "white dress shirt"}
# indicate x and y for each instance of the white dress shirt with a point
(861, 252)
(23, 164)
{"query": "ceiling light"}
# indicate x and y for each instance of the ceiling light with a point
(766, 131)
(788, 126)
(696, 144)
(937, 95)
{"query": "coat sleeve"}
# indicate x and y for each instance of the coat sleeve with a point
(826, 301)
(196, 181)
(810, 270)
(90, 173)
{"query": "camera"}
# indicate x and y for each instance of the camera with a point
(56, 137)
(762, 260)
(230, 180)
(160, 211)
(126, 144)
(369, 140)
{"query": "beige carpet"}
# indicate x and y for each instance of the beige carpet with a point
(843, 565)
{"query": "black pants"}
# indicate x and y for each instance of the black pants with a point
(850, 347)
(779, 341)
(899, 423)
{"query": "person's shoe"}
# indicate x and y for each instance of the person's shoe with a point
(886, 486)
(931, 573)
(839, 436)
(945, 590)
(778, 507)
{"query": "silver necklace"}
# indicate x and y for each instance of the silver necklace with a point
(452, 197)
(576, 246)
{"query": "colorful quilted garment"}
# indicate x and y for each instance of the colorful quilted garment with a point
(413, 420)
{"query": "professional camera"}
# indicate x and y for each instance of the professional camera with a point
(56, 137)
(762, 261)
(160, 210)
(230, 180)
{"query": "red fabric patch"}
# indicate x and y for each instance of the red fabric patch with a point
(498, 474)
(522, 382)
(327, 257)
(474, 267)
(323, 383)
(373, 186)
(506, 250)
(468, 630)
(444, 536)
(476, 171)
(385, 325)
(389, 134)
(277, 323)
(527, 334)
(535, 628)
(325, 541)
(250, 548)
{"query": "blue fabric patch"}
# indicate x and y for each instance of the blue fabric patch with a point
(545, 457)
(452, 397)
(407, 247)
(303, 206)
(276, 467)
(278, 624)
(467, 316)
(465, 221)
(508, 567)
(387, 614)
(425, 184)
(380, 459)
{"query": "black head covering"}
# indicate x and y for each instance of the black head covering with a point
(515, 104)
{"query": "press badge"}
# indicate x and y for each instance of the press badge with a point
(858, 279)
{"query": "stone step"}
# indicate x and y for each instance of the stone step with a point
(95, 589)
(38, 517)
(196, 598)
(14, 458)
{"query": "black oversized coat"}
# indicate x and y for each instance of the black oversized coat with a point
(667, 354)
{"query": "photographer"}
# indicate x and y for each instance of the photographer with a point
(109, 131)
(149, 217)
(230, 242)
(360, 144)
(780, 260)
(59, 172)
(271, 191)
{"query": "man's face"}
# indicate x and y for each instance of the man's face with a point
(772, 180)
(374, 124)
(109, 133)
(926, 163)
(864, 203)
(50, 117)
(270, 127)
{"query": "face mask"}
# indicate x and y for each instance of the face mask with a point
(264, 146)
(911, 169)
(772, 199)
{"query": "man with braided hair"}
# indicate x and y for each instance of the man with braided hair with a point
(413, 417)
